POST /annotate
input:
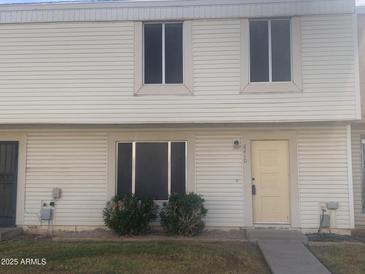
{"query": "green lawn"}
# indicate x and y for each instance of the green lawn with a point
(343, 258)
(135, 257)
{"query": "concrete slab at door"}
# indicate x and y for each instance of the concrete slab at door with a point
(270, 177)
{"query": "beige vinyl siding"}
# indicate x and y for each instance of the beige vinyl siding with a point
(219, 177)
(357, 175)
(323, 174)
(361, 48)
(77, 161)
(84, 73)
(65, 72)
(328, 61)
(74, 161)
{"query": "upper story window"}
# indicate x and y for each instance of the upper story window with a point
(163, 53)
(270, 53)
(270, 57)
(163, 58)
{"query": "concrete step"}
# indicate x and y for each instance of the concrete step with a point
(284, 257)
(255, 235)
(8, 233)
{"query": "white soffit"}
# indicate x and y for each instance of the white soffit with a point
(167, 10)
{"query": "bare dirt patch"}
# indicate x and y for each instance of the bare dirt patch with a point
(155, 235)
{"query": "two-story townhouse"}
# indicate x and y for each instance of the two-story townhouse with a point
(248, 103)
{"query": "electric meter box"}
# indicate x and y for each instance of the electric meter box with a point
(56, 193)
(46, 214)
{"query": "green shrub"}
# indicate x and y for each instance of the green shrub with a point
(183, 214)
(128, 214)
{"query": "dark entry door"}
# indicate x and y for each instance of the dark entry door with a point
(8, 182)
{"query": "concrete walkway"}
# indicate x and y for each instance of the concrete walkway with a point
(285, 252)
(285, 257)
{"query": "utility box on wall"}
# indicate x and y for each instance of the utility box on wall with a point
(56, 193)
(46, 213)
(332, 205)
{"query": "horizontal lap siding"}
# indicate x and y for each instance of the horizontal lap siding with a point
(84, 73)
(76, 162)
(65, 72)
(219, 177)
(357, 176)
(216, 64)
(328, 76)
(323, 174)
(328, 62)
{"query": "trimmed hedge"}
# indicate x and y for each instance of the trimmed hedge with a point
(183, 214)
(129, 215)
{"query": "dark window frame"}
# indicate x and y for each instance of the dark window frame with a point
(134, 144)
(269, 20)
(163, 23)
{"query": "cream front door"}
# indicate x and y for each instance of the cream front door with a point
(270, 179)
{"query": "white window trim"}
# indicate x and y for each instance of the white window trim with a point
(295, 85)
(162, 89)
(130, 136)
(134, 144)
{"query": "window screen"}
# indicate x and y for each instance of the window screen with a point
(178, 167)
(124, 185)
(153, 53)
(259, 51)
(152, 170)
(280, 48)
(173, 53)
(163, 53)
(270, 50)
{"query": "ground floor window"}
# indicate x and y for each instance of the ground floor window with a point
(151, 169)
